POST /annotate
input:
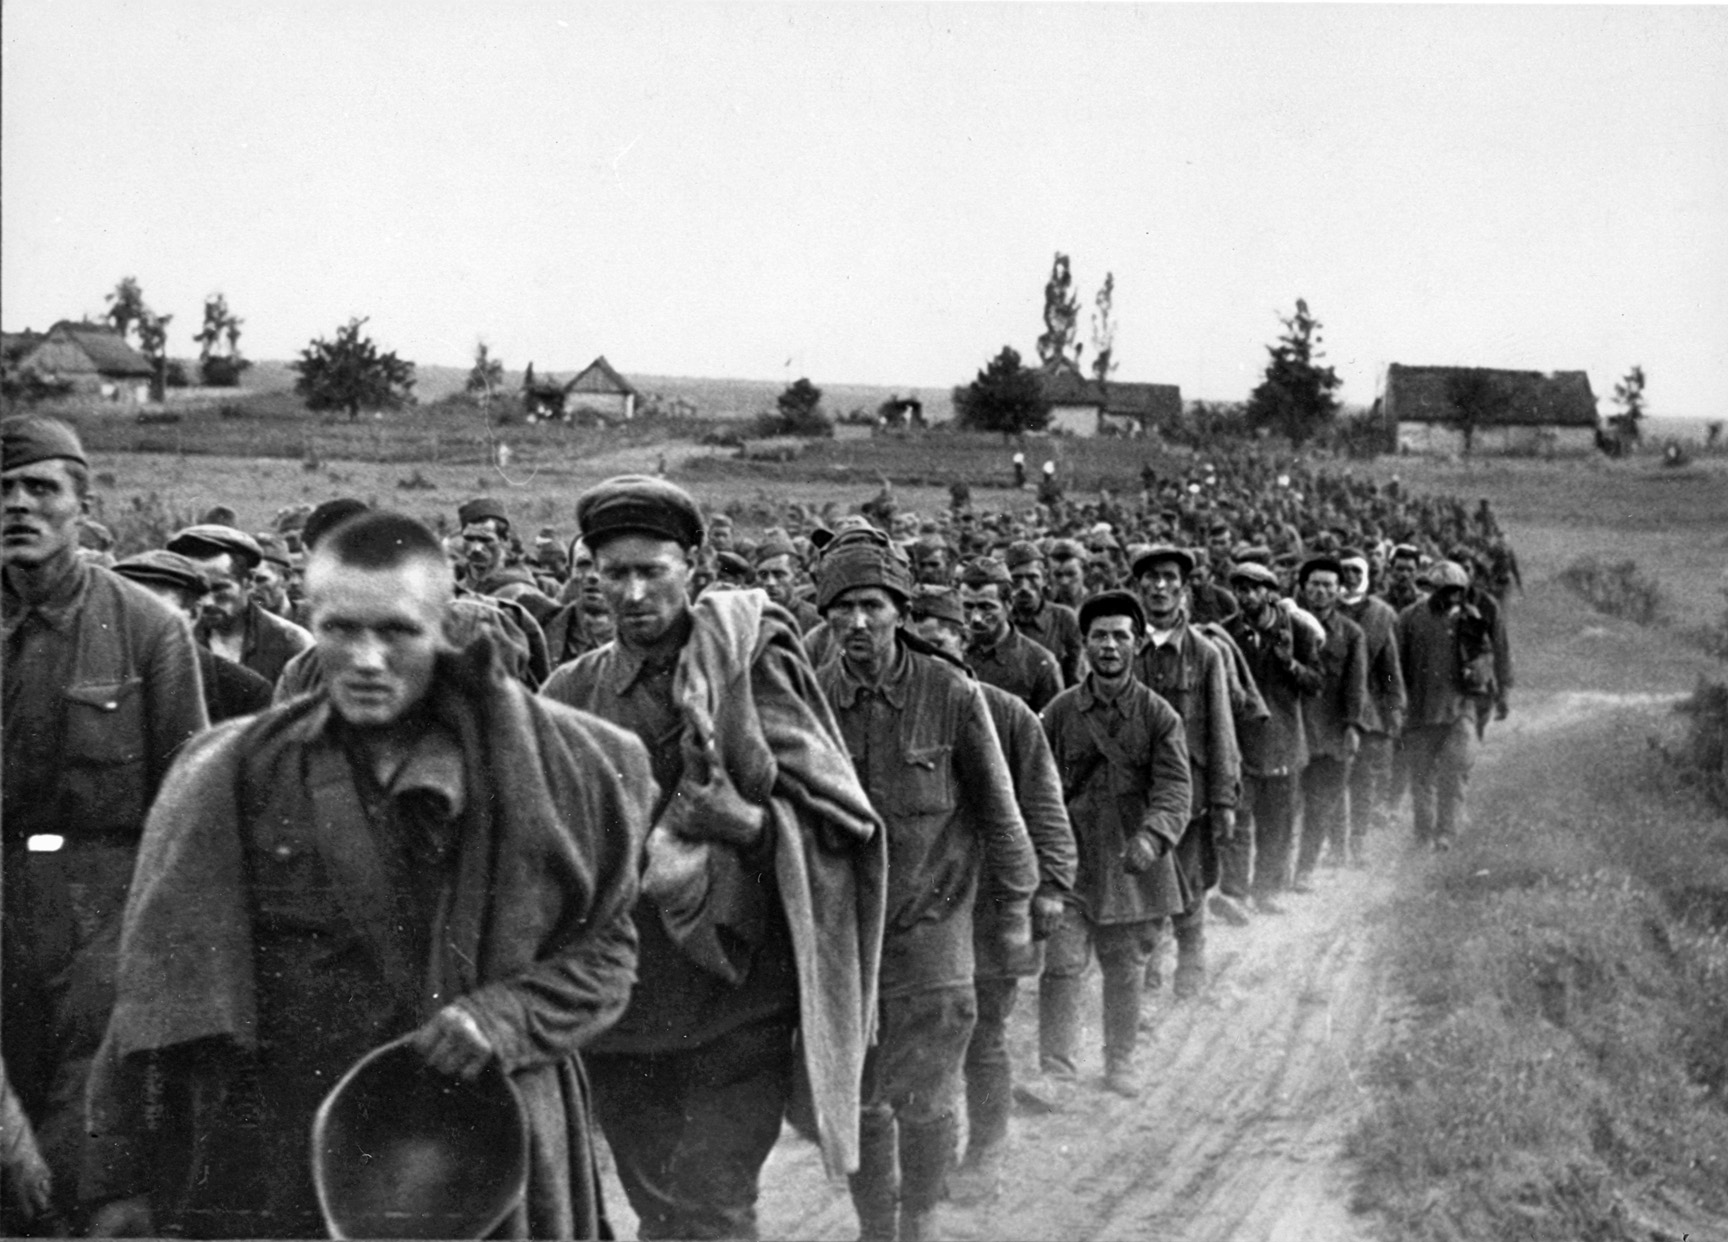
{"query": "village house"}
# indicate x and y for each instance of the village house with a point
(597, 393)
(1525, 412)
(85, 358)
(1083, 407)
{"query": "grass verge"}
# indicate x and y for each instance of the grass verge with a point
(1564, 1073)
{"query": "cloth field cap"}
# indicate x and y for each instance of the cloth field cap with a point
(1447, 574)
(731, 565)
(1159, 552)
(481, 509)
(862, 558)
(1112, 604)
(638, 504)
(984, 571)
(1252, 552)
(208, 539)
(1022, 552)
(1253, 571)
(1317, 564)
(1067, 550)
(26, 439)
(400, 1150)
(1407, 551)
(327, 517)
(775, 543)
(943, 603)
(274, 548)
(163, 568)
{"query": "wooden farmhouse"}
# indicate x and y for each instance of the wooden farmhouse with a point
(1083, 407)
(1525, 411)
(89, 358)
(597, 393)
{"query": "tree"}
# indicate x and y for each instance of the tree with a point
(1629, 396)
(1006, 397)
(1476, 401)
(349, 373)
(153, 343)
(126, 306)
(1296, 399)
(487, 377)
(1104, 330)
(1056, 349)
(219, 360)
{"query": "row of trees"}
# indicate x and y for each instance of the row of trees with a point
(220, 363)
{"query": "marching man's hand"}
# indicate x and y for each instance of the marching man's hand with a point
(1046, 916)
(1144, 850)
(453, 1043)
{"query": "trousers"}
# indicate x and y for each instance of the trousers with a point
(1272, 803)
(1370, 783)
(1325, 785)
(1440, 758)
(1123, 950)
(989, 1073)
(690, 1131)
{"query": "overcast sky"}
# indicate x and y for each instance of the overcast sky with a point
(874, 194)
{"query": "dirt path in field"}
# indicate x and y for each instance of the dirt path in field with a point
(1250, 1090)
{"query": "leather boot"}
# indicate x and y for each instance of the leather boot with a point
(1058, 1023)
(876, 1185)
(926, 1156)
(1122, 984)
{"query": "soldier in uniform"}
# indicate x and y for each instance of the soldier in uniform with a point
(922, 740)
(996, 651)
(1123, 760)
(234, 625)
(101, 691)
(1051, 625)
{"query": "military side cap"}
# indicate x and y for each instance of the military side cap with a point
(163, 568)
(1253, 571)
(26, 439)
(1159, 552)
(400, 1150)
(1022, 552)
(775, 543)
(985, 571)
(208, 539)
(1112, 604)
(943, 603)
(482, 509)
(638, 504)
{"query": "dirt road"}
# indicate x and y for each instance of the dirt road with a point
(1250, 1092)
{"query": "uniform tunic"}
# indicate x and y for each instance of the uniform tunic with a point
(1020, 666)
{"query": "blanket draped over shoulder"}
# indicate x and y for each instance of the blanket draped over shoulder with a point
(783, 750)
(537, 941)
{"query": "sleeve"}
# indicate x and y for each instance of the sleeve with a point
(1224, 762)
(1167, 809)
(1047, 680)
(1389, 677)
(1038, 790)
(580, 981)
(1010, 867)
(175, 696)
(1303, 667)
(1356, 680)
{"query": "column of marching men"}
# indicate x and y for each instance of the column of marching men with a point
(688, 834)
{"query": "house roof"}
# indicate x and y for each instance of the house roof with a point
(1532, 398)
(599, 376)
(1132, 400)
(86, 347)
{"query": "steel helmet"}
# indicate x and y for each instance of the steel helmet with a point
(400, 1150)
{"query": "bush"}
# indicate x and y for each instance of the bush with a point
(1619, 590)
(144, 522)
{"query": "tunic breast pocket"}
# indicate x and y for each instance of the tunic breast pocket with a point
(926, 785)
(105, 723)
(290, 889)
